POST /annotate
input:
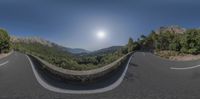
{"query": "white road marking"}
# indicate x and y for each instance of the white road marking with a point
(143, 53)
(6, 62)
(185, 68)
(60, 90)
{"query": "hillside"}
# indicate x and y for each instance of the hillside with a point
(61, 57)
(30, 40)
(108, 50)
(172, 41)
(77, 50)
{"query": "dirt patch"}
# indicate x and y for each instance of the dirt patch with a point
(173, 55)
(186, 57)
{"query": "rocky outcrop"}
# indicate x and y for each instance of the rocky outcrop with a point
(29, 40)
(173, 29)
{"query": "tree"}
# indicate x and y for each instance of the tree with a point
(131, 46)
(143, 40)
(148, 42)
(190, 41)
(186, 42)
(4, 41)
(175, 43)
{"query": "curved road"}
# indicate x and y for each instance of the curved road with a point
(147, 77)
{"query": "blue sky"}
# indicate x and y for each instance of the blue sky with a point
(74, 23)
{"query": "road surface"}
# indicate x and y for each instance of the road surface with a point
(147, 77)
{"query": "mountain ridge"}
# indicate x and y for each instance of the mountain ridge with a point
(78, 51)
(44, 42)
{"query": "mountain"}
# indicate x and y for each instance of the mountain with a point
(105, 50)
(77, 50)
(60, 56)
(29, 40)
(173, 29)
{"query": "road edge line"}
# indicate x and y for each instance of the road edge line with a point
(185, 68)
(60, 90)
(4, 63)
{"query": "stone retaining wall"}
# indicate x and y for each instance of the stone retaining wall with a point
(87, 75)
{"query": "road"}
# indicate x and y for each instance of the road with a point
(147, 77)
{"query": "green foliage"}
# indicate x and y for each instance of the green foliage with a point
(184, 50)
(131, 46)
(149, 42)
(188, 42)
(192, 51)
(4, 41)
(66, 60)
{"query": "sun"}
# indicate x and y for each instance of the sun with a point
(101, 34)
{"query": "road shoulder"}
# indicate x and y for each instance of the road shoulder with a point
(4, 55)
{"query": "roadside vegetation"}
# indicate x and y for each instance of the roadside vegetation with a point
(66, 60)
(5, 44)
(170, 43)
(163, 43)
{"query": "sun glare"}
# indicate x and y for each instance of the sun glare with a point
(101, 34)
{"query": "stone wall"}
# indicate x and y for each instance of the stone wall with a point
(84, 76)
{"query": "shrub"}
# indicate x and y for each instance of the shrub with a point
(4, 41)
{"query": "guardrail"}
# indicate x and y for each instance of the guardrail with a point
(86, 75)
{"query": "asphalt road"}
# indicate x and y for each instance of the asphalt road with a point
(147, 77)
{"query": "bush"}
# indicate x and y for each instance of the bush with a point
(174, 46)
(188, 42)
(193, 51)
(4, 41)
(184, 50)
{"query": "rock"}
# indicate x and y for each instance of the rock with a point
(173, 28)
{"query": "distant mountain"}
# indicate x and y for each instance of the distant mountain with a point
(173, 29)
(29, 40)
(62, 57)
(105, 50)
(77, 50)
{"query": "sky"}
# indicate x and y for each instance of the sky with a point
(75, 23)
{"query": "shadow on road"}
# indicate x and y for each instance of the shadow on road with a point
(56, 81)
(133, 64)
